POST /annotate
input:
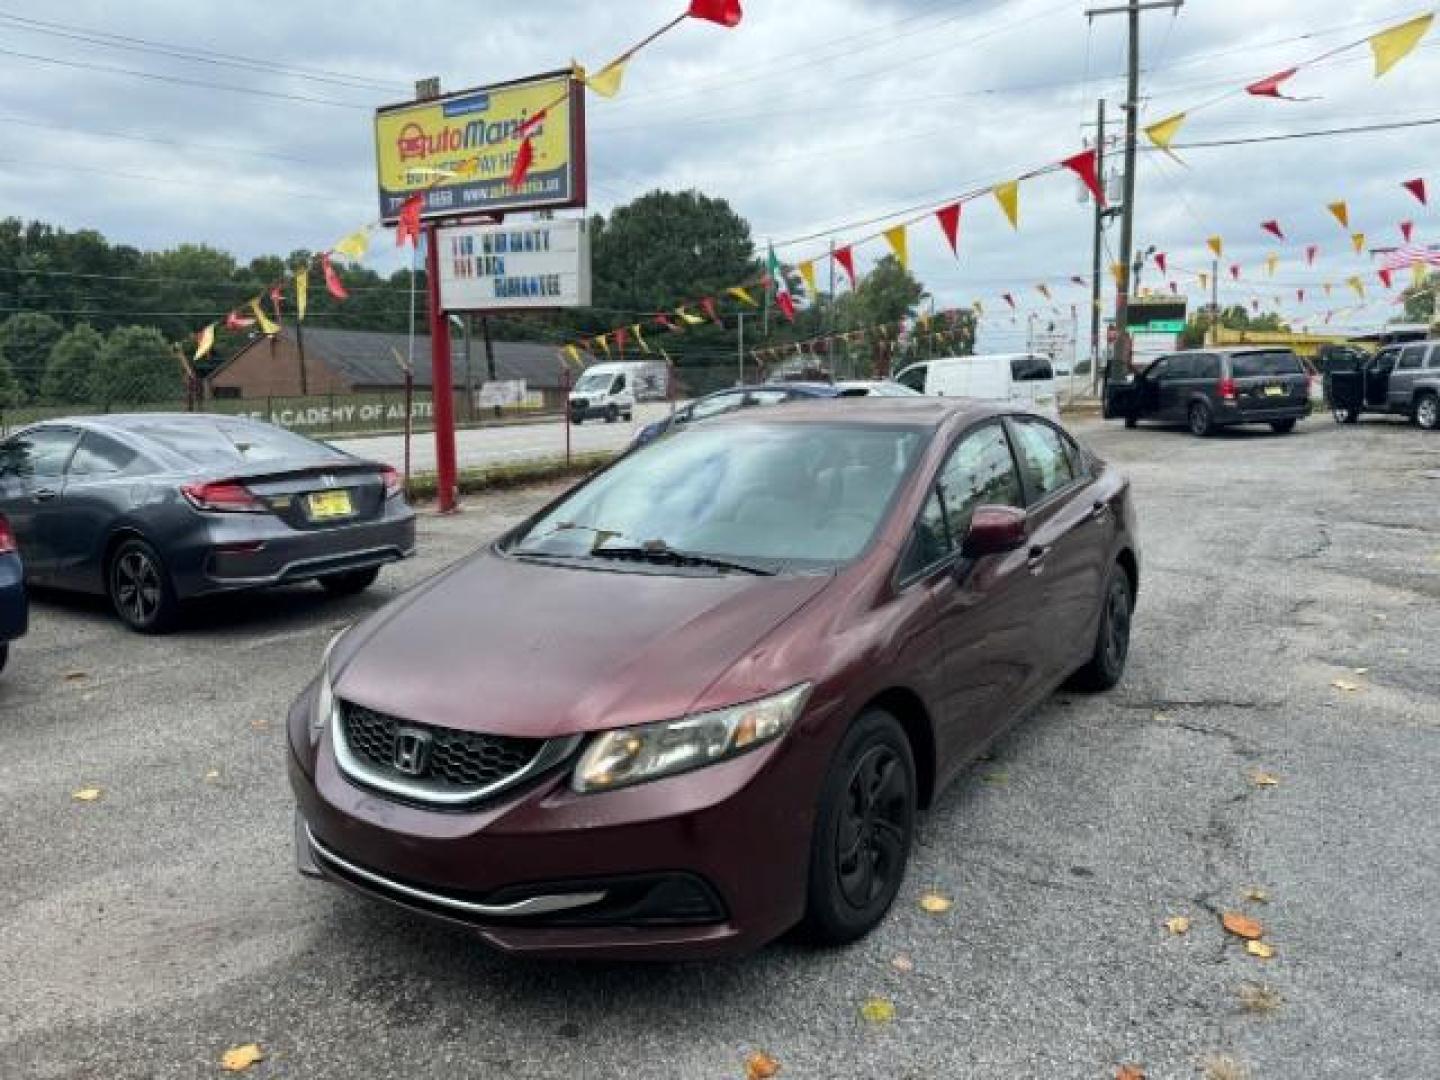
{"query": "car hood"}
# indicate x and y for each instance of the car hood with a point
(516, 647)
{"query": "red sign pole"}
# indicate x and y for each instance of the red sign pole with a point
(442, 393)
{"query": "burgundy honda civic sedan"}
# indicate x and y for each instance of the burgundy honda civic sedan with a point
(697, 700)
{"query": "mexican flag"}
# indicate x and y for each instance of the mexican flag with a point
(783, 299)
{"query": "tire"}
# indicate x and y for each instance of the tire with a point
(629, 417)
(1427, 412)
(1131, 423)
(859, 849)
(1112, 638)
(4, 654)
(1345, 415)
(139, 588)
(577, 419)
(350, 582)
(1282, 427)
(611, 414)
(1202, 420)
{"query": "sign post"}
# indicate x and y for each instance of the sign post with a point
(442, 393)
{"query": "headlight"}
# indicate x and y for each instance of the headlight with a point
(634, 755)
(324, 694)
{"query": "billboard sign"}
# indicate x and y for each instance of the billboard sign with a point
(1158, 314)
(471, 134)
(529, 265)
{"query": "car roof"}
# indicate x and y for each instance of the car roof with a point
(923, 412)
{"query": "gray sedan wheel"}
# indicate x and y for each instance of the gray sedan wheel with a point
(1427, 412)
(139, 588)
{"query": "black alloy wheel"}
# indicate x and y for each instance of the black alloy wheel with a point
(863, 832)
(1201, 420)
(140, 589)
(1106, 665)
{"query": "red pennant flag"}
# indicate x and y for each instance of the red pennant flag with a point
(1406, 228)
(524, 158)
(1076, 279)
(1235, 271)
(786, 303)
(236, 321)
(662, 320)
(1175, 289)
(709, 305)
(1273, 228)
(949, 217)
(1008, 299)
(1416, 187)
(1270, 86)
(1384, 276)
(846, 258)
(1084, 166)
(620, 336)
(1310, 253)
(528, 125)
(1160, 261)
(407, 227)
(332, 278)
(722, 12)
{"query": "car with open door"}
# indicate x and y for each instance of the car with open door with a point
(733, 667)
(1207, 389)
(155, 509)
(1402, 380)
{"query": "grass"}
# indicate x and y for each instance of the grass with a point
(498, 477)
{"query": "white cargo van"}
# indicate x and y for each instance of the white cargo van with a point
(606, 391)
(1026, 380)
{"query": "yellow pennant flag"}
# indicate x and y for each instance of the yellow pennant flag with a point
(1358, 285)
(605, 82)
(302, 291)
(742, 295)
(900, 246)
(1358, 240)
(1162, 133)
(1341, 212)
(1117, 271)
(1216, 245)
(807, 271)
(206, 342)
(1418, 273)
(604, 345)
(687, 318)
(1271, 261)
(267, 325)
(573, 353)
(1393, 45)
(1008, 196)
(353, 246)
(640, 338)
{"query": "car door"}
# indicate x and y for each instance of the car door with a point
(1401, 391)
(986, 608)
(97, 489)
(32, 468)
(1066, 551)
(1148, 386)
(1377, 378)
(1175, 382)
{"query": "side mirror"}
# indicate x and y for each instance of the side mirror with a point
(994, 530)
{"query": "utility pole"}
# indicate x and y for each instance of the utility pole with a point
(1214, 302)
(740, 352)
(1100, 215)
(1120, 361)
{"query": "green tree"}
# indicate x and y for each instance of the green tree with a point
(1231, 318)
(1420, 300)
(136, 367)
(10, 394)
(26, 339)
(72, 365)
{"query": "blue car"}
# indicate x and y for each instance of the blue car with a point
(726, 401)
(14, 610)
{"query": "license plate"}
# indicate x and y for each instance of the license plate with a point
(1274, 391)
(330, 504)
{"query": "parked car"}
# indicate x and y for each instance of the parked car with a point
(874, 388)
(1212, 388)
(731, 667)
(156, 508)
(606, 391)
(1026, 380)
(728, 401)
(1399, 379)
(14, 609)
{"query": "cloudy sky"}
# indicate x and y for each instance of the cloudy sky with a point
(811, 117)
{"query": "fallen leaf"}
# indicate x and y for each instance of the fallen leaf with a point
(1242, 925)
(1346, 685)
(240, 1058)
(260, 724)
(1260, 949)
(1160, 718)
(878, 1011)
(1361, 670)
(1178, 924)
(1129, 1072)
(1260, 896)
(934, 903)
(903, 963)
(86, 794)
(1260, 778)
(1222, 1067)
(212, 774)
(998, 777)
(75, 676)
(760, 1066)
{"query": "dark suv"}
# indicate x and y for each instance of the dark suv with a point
(1210, 388)
(1401, 379)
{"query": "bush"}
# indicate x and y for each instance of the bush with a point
(136, 367)
(71, 369)
(26, 339)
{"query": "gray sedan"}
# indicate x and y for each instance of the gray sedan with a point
(152, 509)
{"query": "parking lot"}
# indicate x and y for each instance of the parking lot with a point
(1277, 736)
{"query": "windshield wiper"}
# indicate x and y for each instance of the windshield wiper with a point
(657, 551)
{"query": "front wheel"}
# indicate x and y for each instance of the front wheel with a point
(350, 582)
(863, 831)
(1346, 415)
(1282, 427)
(1112, 640)
(140, 589)
(576, 419)
(1131, 423)
(1427, 412)
(1202, 422)
(611, 414)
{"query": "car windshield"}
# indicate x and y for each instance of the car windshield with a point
(805, 495)
(1249, 365)
(595, 380)
(229, 443)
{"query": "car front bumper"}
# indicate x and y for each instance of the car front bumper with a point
(543, 870)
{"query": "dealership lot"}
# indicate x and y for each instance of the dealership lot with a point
(149, 930)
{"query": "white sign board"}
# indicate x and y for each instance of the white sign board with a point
(501, 392)
(1147, 347)
(525, 265)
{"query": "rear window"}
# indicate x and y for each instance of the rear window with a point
(228, 443)
(1031, 369)
(1249, 365)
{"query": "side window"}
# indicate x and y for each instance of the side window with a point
(1042, 370)
(1207, 366)
(40, 454)
(618, 387)
(980, 472)
(100, 456)
(1433, 361)
(1159, 369)
(931, 542)
(1043, 459)
(1181, 367)
(769, 397)
(714, 406)
(1385, 361)
(1410, 358)
(914, 378)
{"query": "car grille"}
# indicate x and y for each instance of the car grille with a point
(428, 763)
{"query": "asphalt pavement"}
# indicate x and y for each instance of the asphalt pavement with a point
(145, 932)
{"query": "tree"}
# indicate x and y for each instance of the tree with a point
(10, 394)
(70, 371)
(136, 367)
(26, 339)
(1420, 300)
(1231, 318)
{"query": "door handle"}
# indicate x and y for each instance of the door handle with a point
(1100, 511)
(1036, 558)
(44, 494)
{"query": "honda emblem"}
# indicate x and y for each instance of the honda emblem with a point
(412, 751)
